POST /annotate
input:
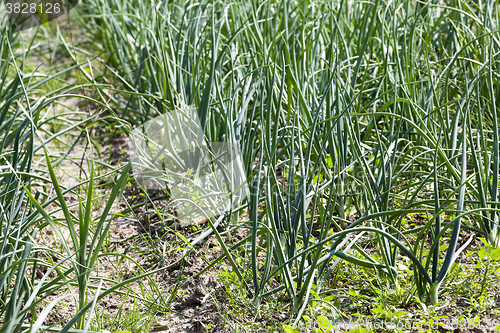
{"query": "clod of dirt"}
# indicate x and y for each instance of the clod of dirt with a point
(199, 290)
(196, 310)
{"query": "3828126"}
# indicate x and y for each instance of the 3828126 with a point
(32, 8)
